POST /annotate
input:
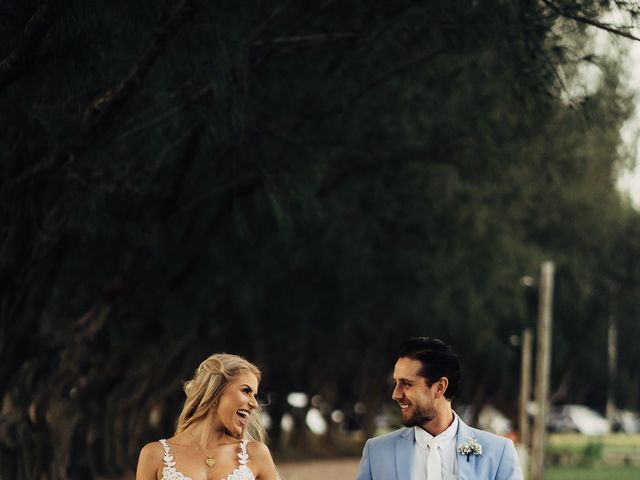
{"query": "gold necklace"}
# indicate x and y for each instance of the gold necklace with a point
(208, 459)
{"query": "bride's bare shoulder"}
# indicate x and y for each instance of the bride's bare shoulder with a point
(260, 457)
(256, 448)
(149, 461)
(152, 450)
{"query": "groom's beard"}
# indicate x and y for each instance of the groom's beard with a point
(420, 416)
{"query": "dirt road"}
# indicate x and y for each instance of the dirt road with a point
(335, 469)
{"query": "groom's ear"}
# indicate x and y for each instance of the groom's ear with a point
(441, 386)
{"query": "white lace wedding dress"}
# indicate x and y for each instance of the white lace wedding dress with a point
(242, 472)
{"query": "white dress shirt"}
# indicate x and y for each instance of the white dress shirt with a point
(447, 446)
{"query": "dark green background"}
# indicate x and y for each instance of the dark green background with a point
(306, 184)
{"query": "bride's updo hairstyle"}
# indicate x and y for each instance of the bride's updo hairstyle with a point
(205, 388)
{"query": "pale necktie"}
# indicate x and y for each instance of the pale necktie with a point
(434, 466)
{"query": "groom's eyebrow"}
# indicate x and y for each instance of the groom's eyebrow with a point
(402, 379)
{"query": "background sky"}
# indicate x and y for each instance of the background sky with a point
(629, 180)
(607, 44)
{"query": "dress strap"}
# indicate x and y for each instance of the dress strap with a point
(243, 456)
(167, 458)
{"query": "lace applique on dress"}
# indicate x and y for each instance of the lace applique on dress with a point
(242, 472)
(169, 471)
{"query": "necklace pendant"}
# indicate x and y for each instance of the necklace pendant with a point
(210, 461)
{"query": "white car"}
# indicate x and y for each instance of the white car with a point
(626, 421)
(578, 418)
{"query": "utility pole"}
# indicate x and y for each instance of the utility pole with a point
(525, 388)
(525, 394)
(543, 369)
(612, 354)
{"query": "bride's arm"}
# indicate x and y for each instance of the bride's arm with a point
(261, 460)
(148, 462)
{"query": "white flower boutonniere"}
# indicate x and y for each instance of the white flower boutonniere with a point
(470, 447)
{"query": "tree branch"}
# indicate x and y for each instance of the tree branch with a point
(243, 188)
(106, 105)
(104, 108)
(398, 70)
(589, 21)
(14, 64)
(296, 28)
(314, 38)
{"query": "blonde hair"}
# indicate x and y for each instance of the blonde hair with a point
(205, 388)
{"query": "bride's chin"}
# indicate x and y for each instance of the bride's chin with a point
(237, 429)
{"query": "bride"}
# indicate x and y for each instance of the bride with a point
(219, 434)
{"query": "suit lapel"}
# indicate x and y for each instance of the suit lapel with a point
(465, 468)
(404, 454)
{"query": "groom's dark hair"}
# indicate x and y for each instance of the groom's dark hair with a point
(438, 360)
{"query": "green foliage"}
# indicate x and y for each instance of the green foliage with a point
(582, 451)
(592, 452)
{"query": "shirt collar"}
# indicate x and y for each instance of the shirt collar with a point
(422, 436)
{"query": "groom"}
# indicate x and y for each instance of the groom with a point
(437, 444)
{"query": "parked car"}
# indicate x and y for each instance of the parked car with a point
(489, 418)
(626, 421)
(577, 418)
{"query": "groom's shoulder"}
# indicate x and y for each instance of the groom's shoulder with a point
(488, 435)
(389, 438)
(489, 440)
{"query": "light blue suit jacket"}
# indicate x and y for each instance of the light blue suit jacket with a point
(390, 456)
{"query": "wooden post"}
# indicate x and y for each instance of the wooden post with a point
(525, 388)
(524, 436)
(543, 369)
(612, 354)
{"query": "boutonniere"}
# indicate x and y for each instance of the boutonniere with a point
(470, 447)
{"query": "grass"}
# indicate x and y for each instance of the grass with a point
(598, 472)
(614, 440)
(565, 449)
(593, 458)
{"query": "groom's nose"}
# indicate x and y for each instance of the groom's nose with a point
(397, 393)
